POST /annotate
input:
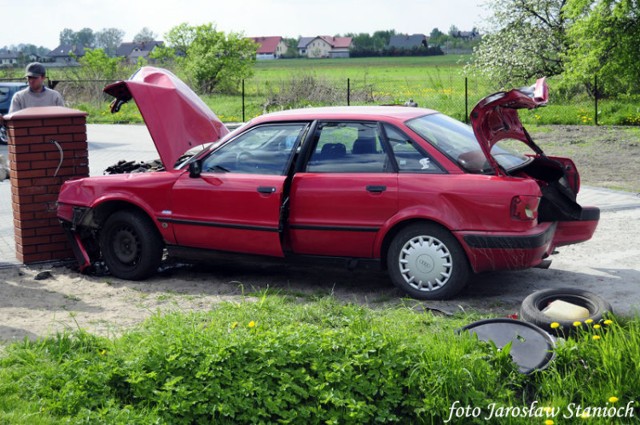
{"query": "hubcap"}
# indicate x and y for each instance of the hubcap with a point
(125, 246)
(425, 263)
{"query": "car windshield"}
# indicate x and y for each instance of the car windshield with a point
(456, 140)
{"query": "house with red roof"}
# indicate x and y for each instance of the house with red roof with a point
(270, 47)
(324, 46)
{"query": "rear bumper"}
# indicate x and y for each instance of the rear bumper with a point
(508, 251)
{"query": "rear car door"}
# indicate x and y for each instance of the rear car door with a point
(235, 203)
(346, 191)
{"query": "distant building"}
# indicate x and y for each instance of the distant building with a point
(66, 54)
(324, 46)
(8, 58)
(467, 35)
(270, 47)
(132, 51)
(405, 41)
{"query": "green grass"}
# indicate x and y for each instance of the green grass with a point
(275, 359)
(436, 82)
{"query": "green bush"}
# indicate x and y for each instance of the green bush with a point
(266, 362)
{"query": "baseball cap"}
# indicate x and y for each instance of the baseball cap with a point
(35, 69)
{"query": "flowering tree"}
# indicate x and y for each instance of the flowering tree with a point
(527, 39)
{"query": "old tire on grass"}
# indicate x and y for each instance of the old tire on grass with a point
(131, 245)
(532, 306)
(426, 261)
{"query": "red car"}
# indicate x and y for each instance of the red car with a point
(431, 199)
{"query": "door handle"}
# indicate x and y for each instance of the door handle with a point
(376, 189)
(266, 189)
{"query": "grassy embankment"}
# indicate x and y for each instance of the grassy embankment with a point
(278, 359)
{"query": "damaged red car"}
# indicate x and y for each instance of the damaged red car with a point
(432, 200)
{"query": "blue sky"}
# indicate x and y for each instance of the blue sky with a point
(39, 22)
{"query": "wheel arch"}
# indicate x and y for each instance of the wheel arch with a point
(399, 226)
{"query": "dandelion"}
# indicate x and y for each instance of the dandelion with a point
(596, 326)
(588, 321)
(252, 324)
(596, 337)
(555, 325)
(585, 415)
(613, 399)
(577, 323)
(608, 322)
(549, 422)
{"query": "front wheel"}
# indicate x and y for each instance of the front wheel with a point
(131, 245)
(427, 262)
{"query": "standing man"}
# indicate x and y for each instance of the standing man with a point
(36, 94)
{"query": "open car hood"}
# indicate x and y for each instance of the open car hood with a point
(176, 117)
(496, 116)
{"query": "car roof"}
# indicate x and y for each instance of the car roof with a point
(373, 113)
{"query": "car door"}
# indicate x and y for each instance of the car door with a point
(346, 191)
(234, 204)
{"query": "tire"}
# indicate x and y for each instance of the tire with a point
(131, 245)
(427, 262)
(532, 306)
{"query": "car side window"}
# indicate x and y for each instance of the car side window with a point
(348, 147)
(265, 149)
(409, 156)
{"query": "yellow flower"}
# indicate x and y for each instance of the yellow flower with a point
(585, 415)
(596, 337)
(576, 323)
(555, 325)
(549, 422)
(596, 326)
(252, 324)
(613, 399)
(588, 321)
(608, 322)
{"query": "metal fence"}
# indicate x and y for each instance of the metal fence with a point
(451, 94)
(454, 96)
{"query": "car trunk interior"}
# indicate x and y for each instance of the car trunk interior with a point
(558, 201)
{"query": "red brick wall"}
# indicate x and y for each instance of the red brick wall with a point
(33, 161)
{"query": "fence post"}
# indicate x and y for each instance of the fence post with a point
(466, 100)
(595, 91)
(243, 119)
(348, 91)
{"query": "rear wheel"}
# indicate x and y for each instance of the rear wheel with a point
(427, 262)
(130, 245)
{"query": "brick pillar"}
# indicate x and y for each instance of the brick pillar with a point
(47, 146)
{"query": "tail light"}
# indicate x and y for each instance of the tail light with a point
(525, 208)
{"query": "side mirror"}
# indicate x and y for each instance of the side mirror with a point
(195, 169)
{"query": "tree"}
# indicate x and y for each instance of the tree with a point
(145, 35)
(67, 36)
(212, 59)
(605, 43)
(528, 39)
(86, 38)
(97, 65)
(109, 39)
